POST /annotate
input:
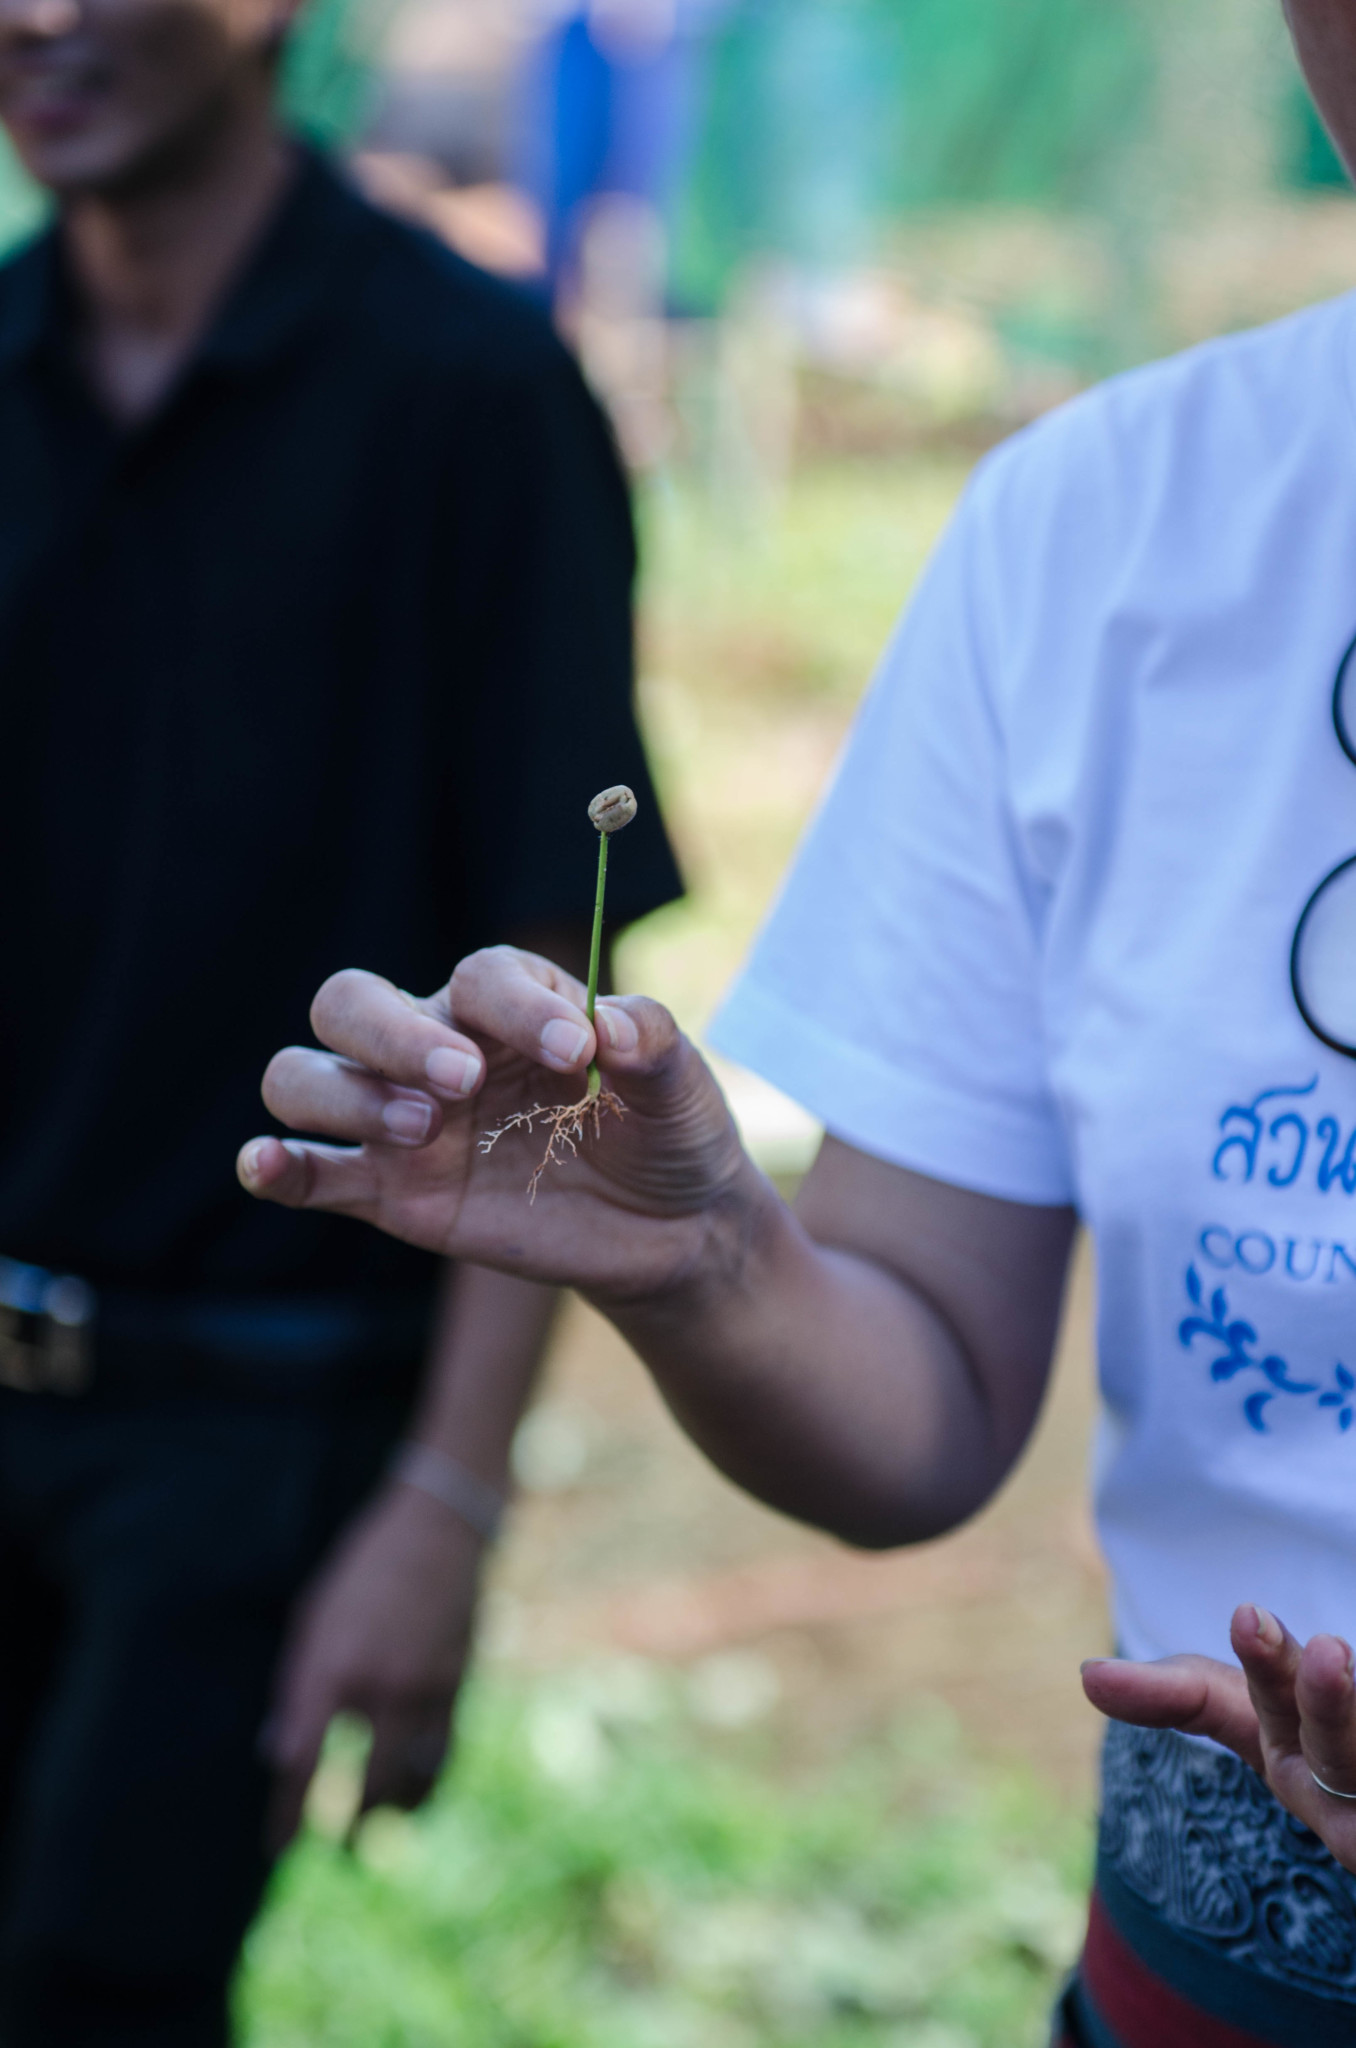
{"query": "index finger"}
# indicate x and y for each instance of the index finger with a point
(408, 1041)
(515, 998)
(1196, 1695)
(526, 1003)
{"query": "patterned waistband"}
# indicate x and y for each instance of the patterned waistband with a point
(1218, 1918)
(1197, 1836)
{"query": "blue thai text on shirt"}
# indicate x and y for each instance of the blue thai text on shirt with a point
(1279, 1140)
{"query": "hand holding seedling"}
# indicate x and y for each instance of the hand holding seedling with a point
(409, 1087)
(436, 1098)
(855, 1364)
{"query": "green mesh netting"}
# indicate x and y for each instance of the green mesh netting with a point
(1014, 99)
(825, 117)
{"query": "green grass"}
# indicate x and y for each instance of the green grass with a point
(790, 601)
(601, 1872)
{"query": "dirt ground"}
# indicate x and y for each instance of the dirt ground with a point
(627, 1543)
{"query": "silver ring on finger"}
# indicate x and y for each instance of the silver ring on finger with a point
(1331, 1790)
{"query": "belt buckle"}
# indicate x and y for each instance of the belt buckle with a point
(46, 1331)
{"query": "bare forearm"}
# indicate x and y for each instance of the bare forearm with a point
(488, 1348)
(821, 1382)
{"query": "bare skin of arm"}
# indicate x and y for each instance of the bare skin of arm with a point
(876, 1361)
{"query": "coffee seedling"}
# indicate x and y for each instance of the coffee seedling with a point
(568, 1124)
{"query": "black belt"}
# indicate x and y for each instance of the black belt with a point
(59, 1335)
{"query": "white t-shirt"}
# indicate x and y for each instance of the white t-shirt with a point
(1038, 941)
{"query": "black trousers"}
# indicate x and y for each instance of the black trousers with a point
(149, 1555)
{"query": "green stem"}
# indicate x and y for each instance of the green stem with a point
(596, 951)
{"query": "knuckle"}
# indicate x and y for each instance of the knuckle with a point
(465, 978)
(384, 1057)
(474, 975)
(478, 967)
(278, 1075)
(335, 997)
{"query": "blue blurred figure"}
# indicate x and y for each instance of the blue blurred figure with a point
(611, 101)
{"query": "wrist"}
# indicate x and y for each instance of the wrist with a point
(436, 1475)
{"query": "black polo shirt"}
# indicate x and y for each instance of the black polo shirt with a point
(320, 666)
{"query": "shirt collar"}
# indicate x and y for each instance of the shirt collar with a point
(293, 268)
(284, 281)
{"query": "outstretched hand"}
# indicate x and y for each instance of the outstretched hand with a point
(410, 1087)
(1290, 1713)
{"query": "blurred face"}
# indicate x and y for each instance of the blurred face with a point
(99, 95)
(1325, 40)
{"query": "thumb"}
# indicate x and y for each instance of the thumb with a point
(655, 1067)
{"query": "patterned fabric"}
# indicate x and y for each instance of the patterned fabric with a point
(1196, 1835)
(1218, 1921)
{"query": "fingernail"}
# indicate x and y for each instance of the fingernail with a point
(618, 1027)
(564, 1042)
(453, 1073)
(1269, 1630)
(249, 1160)
(1351, 1659)
(408, 1121)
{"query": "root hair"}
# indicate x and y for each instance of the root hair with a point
(567, 1124)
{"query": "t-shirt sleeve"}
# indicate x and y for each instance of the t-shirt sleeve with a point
(894, 990)
(544, 662)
